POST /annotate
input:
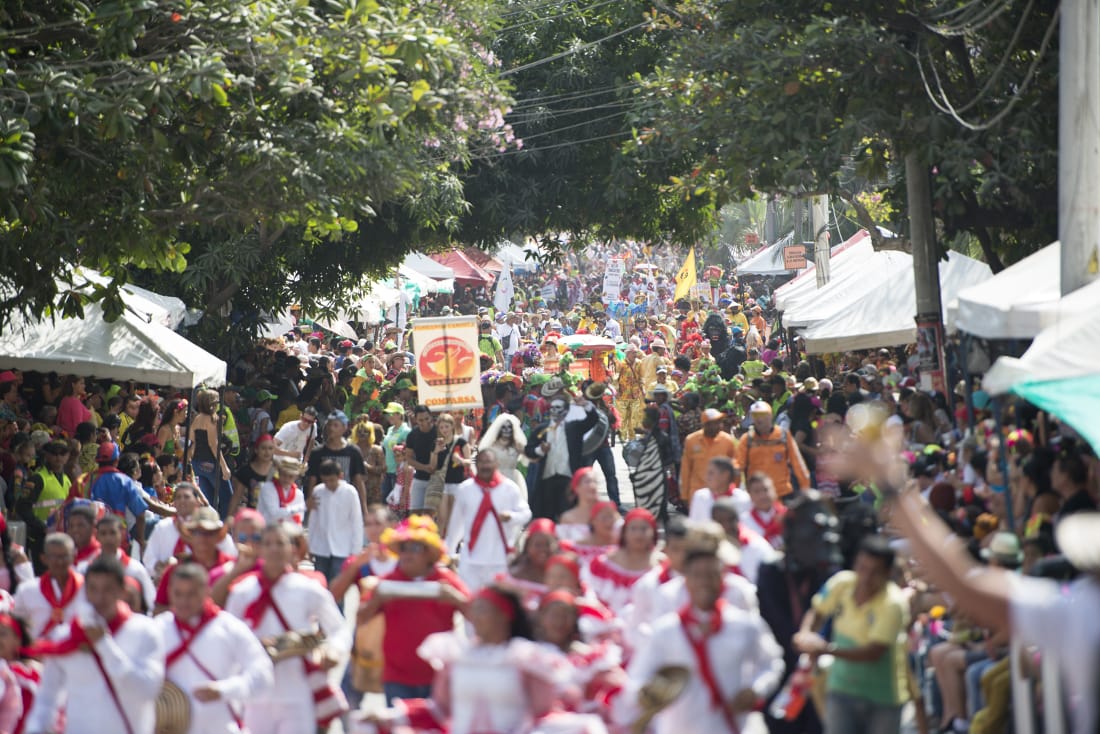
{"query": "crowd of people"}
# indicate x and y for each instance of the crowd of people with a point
(796, 544)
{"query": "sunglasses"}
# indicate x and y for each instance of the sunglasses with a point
(246, 537)
(412, 548)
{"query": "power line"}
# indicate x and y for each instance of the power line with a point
(574, 50)
(547, 19)
(529, 102)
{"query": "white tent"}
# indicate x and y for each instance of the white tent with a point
(1066, 349)
(518, 257)
(424, 283)
(846, 285)
(803, 287)
(882, 315)
(768, 260)
(153, 307)
(127, 349)
(1016, 303)
(426, 266)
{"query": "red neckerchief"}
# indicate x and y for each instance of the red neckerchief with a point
(181, 546)
(255, 611)
(87, 552)
(485, 508)
(77, 636)
(702, 657)
(285, 499)
(220, 559)
(772, 528)
(666, 573)
(57, 606)
(189, 632)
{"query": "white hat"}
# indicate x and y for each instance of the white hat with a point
(1076, 536)
(760, 407)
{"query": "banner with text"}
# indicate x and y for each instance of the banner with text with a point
(448, 370)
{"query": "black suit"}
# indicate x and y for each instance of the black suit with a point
(548, 496)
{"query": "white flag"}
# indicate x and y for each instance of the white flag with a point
(502, 301)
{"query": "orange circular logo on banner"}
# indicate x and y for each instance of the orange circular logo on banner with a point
(447, 361)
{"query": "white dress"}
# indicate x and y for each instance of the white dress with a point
(508, 458)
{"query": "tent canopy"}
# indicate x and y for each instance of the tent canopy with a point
(804, 285)
(522, 258)
(767, 260)
(153, 307)
(466, 271)
(1016, 303)
(128, 349)
(427, 266)
(423, 283)
(882, 315)
(846, 285)
(484, 260)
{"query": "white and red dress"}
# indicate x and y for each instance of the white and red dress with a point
(610, 582)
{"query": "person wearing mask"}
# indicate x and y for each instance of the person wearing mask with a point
(108, 670)
(868, 680)
(771, 449)
(549, 447)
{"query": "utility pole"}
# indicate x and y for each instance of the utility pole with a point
(819, 216)
(926, 274)
(1079, 142)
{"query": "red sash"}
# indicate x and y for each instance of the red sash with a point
(58, 606)
(78, 638)
(188, 634)
(485, 509)
(254, 613)
(774, 527)
(288, 497)
(666, 573)
(87, 552)
(702, 658)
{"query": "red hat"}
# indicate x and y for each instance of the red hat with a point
(566, 562)
(600, 507)
(107, 453)
(542, 526)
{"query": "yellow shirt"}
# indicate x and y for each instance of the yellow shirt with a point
(288, 414)
(884, 619)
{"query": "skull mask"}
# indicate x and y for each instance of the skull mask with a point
(557, 409)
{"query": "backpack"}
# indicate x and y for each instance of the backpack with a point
(748, 449)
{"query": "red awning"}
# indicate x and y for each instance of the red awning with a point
(485, 261)
(467, 272)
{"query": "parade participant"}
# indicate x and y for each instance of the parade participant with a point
(771, 449)
(631, 392)
(109, 533)
(274, 601)
(657, 357)
(212, 656)
(650, 475)
(249, 477)
(868, 680)
(548, 446)
(81, 528)
(705, 634)
(506, 437)
(604, 524)
(409, 618)
(723, 476)
(15, 568)
(488, 514)
(167, 540)
(611, 575)
(108, 670)
(501, 681)
(58, 596)
(754, 550)
(700, 447)
(539, 544)
(203, 532)
(585, 488)
(766, 516)
(281, 498)
(785, 589)
(21, 676)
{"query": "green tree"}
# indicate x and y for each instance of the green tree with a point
(801, 97)
(256, 142)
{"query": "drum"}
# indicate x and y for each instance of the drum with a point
(173, 710)
(660, 693)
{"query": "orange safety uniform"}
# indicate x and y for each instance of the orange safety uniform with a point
(698, 451)
(775, 454)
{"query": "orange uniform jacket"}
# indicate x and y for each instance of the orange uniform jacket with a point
(698, 451)
(775, 454)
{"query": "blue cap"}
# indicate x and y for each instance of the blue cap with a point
(338, 415)
(736, 331)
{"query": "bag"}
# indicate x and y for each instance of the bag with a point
(433, 495)
(506, 340)
(632, 452)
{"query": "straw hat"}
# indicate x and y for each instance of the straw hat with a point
(173, 710)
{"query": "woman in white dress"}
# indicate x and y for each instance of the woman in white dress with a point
(586, 487)
(506, 436)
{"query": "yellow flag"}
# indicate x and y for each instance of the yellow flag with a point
(685, 279)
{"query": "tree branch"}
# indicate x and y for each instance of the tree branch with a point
(879, 241)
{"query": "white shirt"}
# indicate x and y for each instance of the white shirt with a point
(754, 554)
(336, 526)
(702, 503)
(225, 647)
(555, 462)
(267, 503)
(134, 660)
(742, 653)
(1062, 622)
(292, 438)
(749, 521)
(161, 545)
(33, 608)
(135, 571)
(490, 549)
(613, 328)
(653, 600)
(306, 605)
